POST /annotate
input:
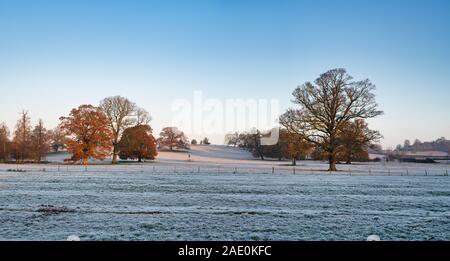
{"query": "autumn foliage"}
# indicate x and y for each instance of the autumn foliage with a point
(4, 142)
(355, 139)
(89, 133)
(172, 138)
(138, 143)
(22, 138)
(40, 142)
(293, 146)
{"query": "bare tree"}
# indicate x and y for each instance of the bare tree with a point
(256, 135)
(232, 139)
(142, 117)
(251, 141)
(326, 105)
(58, 139)
(119, 111)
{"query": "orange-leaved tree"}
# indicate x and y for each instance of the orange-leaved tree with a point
(138, 143)
(89, 134)
(355, 138)
(171, 138)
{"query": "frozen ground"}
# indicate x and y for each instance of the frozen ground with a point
(228, 199)
(148, 206)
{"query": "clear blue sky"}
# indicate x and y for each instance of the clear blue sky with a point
(56, 55)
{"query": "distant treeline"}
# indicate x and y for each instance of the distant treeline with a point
(353, 143)
(441, 144)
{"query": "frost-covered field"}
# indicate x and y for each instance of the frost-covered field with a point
(136, 202)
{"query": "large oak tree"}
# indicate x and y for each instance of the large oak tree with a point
(89, 133)
(326, 105)
(138, 143)
(120, 112)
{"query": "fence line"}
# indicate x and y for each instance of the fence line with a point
(220, 169)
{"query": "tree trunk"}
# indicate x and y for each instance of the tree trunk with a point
(261, 155)
(84, 161)
(115, 153)
(349, 159)
(332, 162)
(332, 154)
(294, 162)
(139, 159)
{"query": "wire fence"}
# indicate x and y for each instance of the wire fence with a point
(359, 170)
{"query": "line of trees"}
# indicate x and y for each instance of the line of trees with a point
(116, 128)
(27, 144)
(329, 122)
(441, 144)
(354, 142)
(290, 146)
(204, 141)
